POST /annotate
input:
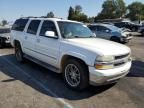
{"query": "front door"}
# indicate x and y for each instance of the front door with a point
(47, 48)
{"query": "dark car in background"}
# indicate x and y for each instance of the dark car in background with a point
(4, 36)
(128, 25)
(141, 30)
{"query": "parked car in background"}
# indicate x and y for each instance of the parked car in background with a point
(141, 30)
(70, 48)
(128, 25)
(4, 36)
(110, 32)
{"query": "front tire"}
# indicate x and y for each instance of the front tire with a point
(18, 52)
(76, 74)
(1, 42)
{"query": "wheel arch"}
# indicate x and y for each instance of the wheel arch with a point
(16, 41)
(67, 57)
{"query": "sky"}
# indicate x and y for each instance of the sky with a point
(13, 9)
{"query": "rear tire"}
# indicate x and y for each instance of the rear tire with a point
(76, 74)
(2, 44)
(142, 33)
(18, 52)
(134, 29)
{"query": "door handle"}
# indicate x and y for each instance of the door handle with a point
(38, 40)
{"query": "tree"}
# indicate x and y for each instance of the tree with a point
(50, 14)
(112, 9)
(91, 19)
(78, 9)
(76, 14)
(4, 22)
(135, 11)
(71, 13)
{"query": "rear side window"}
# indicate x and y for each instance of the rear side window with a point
(33, 27)
(48, 26)
(19, 24)
(119, 24)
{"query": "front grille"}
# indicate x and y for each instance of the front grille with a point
(121, 56)
(121, 59)
(118, 64)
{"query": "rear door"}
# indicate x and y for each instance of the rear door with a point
(47, 48)
(30, 37)
(17, 31)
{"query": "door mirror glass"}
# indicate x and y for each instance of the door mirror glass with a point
(107, 31)
(94, 34)
(50, 34)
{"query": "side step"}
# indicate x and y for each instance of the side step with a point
(48, 66)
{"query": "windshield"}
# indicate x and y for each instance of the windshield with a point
(74, 30)
(4, 31)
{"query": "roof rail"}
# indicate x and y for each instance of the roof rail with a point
(30, 17)
(40, 17)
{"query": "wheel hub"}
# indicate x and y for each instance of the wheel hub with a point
(72, 75)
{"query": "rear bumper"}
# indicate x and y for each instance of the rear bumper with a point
(102, 77)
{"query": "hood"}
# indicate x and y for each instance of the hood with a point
(100, 46)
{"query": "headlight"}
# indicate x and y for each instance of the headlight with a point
(104, 58)
(104, 62)
(124, 34)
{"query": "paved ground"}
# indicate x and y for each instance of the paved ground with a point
(31, 86)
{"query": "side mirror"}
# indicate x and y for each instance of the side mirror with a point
(94, 34)
(107, 31)
(50, 34)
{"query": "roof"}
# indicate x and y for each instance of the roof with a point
(102, 24)
(52, 19)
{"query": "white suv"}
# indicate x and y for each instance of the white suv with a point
(70, 48)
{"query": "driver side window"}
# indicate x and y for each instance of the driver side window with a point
(48, 26)
(102, 29)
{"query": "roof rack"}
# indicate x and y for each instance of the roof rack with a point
(40, 17)
(30, 17)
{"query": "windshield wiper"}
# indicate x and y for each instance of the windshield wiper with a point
(81, 37)
(77, 37)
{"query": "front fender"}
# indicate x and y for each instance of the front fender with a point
(85, 58)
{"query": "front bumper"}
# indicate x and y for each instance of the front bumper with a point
(126, 39)
(102, 77)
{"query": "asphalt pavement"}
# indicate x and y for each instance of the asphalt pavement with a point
(29, 85)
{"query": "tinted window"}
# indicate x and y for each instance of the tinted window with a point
(102, 29)
(33, 26)
(4, 31)
(19, 24)
(48, 26)
(93, 28)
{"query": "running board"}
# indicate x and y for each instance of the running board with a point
(48, 66)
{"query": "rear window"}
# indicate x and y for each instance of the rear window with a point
(19, 24)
